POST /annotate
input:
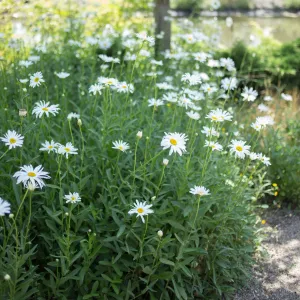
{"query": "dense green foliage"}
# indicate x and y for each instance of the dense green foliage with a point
(193, 245)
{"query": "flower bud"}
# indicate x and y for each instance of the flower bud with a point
(139, 134)
(31, 186)
(165, 161)
(11, 216)
(66, 214)
(22, 112)
(79, 122)
(6, 277)
(153, 198)
(160, 233)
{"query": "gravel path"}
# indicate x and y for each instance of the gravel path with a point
(277, 275)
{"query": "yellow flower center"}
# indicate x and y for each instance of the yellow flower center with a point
(173, 142)
(12, 141)
(239, 148)
(31, 174)
(45, 108)
(140, 210)
(124, 86)
(36, 79)
(121, 148)
(50, 147)
(67, 149)
(73, 198)
(214, 118)
(109, 82)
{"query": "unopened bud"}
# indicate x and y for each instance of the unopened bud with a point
(22, 112)
(139, 134)
(79, 122)
(6, 277)
(160, 233)
(11, 216)
(31, 186)
(165, 161)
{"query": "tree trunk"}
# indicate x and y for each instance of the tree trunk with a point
(161, 25)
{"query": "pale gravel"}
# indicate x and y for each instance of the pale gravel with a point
(276, 276)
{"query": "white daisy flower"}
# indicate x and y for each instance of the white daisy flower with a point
(36, 79)
(200, 191)
(72, 198)
(62, 75)
(28, 174)
(229, 83)
(155, 102)
(257, 126)
(120, 145)
(108, 81)
(23, 80)
(214, 145)
(249, 94)
(25, 63)
(42, 108)
(210, 131)
(239, 148)
(263, 108)
(123, 87)
(175, 141)
(208, 88)
(185, 102)
(95, 88)
(170, 97)
(253, 156)
(193, 115)
(49, 146)
(286, 97)
(73, 116)
(201, 56)
(4, 207)
(268, 98)
(265, 121)
(12, 139)
(108, 59)
(227, 63)
(218, 115)
(67, 149)
(192, 79)
(141, 209)
(264, 159)
(145, 38)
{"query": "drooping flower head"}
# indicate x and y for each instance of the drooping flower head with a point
(4, 207)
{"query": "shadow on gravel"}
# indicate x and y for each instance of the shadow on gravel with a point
(277, 276)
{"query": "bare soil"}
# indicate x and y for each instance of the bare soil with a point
(276, 276)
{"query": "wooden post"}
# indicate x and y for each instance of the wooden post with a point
(161, 25)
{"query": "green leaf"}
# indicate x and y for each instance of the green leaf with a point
(166, 262)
